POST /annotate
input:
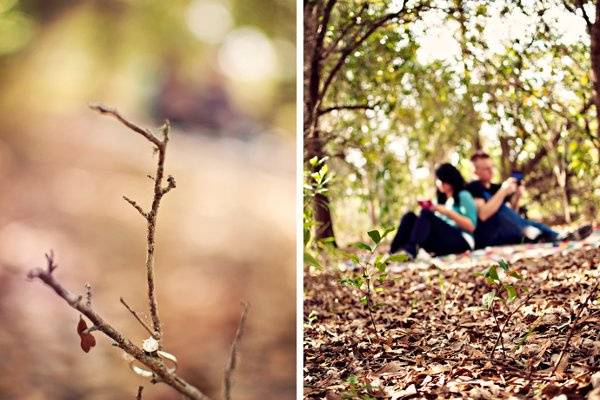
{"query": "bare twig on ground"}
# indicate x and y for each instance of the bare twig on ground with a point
(232, 362)
(573, 325)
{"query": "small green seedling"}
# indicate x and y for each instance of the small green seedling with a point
(372, 268)
(506, 287)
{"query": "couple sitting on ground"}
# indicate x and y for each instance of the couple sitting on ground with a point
(472, 216)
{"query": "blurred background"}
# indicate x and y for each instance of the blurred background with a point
(223, 71)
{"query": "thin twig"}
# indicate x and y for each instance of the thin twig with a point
(159, 192)
(136, 316)
(139, 394)
(500, 333)
(102, 109)
(232, 362)
(370, 311)
(136, 206)
(152, 362)
(508, 318)
(572, 330)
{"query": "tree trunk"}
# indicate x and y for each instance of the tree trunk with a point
(316, 16)
(505, 163)
(594, 31)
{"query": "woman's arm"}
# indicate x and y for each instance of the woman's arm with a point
(462, 221)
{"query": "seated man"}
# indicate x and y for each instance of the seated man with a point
(499, 223)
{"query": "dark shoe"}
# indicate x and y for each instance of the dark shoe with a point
(579, 234)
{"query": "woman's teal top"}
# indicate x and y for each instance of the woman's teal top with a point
(466, 208)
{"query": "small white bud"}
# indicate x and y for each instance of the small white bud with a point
(150, 345)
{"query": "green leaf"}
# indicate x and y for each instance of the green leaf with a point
(354, 258)
(387, 230)
(362, 246)
(504, 265)
(352, 380)
(364, 299)
(492, 275)
(375, 236)
(400, 257)
(515, 274)
(511, 292)
(488, 298)
(310, 260)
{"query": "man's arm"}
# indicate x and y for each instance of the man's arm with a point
(486, 209)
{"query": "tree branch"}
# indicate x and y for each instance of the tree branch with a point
(102, 109)
(153, 362)
(350, 49)
(232, 363)
(136, 206)
(588, 22)
(159, 192)
(136, 316)
(348, 107)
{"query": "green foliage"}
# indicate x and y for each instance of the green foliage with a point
(503, 287)
(369, 269)
(526, 100)
(314, 183)
(357, 389)
(506, 285)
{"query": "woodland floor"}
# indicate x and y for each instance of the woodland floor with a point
(437, 336)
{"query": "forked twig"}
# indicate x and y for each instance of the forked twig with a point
(160, 372)
(153, 362)
(150, 216)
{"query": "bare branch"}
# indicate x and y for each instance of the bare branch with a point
(159, 191)
(139, 393)
(136, 206)
(152, 362)
(231, 364)
(136, 316)
(588, 22)
(102, 109)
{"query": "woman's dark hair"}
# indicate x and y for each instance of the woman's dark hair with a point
(447, 173)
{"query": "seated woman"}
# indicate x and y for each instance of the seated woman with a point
(443, 228)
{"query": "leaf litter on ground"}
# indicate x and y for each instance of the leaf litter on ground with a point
(437, 336)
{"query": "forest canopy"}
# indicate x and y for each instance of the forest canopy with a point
(393, 88)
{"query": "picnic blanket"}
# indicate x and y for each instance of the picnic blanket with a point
(493, 254)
